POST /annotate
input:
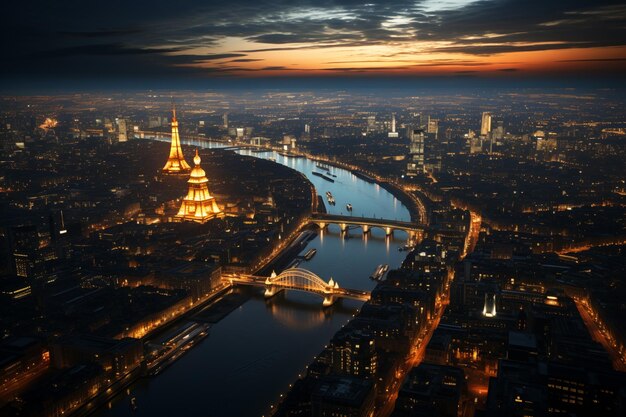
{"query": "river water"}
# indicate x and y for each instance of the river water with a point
(252, 355)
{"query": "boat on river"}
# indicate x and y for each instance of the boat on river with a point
(319, 174)
(379, 272)
(133, 404)
(293, 264)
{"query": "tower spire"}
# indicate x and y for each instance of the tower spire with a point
(176, 163)
(198, 205)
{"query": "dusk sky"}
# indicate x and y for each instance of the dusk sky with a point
(208, 40)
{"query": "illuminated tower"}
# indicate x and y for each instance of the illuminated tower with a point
(176, 162)
(122, 130)
(198, 205)
(485, 125)
(393, 133)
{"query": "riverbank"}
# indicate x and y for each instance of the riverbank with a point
(404, 198)
(418, 206)
(260, 346)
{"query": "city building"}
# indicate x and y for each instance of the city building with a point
(437, 390)
(433, 127)
(393, 133)
(117, 356)
(415, 164)
(354, 354)
(485, 125)
(371, 123)
(122, 127)
(343, 396)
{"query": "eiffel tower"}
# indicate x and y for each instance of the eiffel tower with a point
(176, 163)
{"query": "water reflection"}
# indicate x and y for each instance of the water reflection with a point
(261, 347)
(301, 311)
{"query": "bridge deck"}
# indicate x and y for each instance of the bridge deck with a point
(258, 281)
(369, 221)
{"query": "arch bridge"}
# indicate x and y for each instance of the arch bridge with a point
(414, 230)
(300, 280)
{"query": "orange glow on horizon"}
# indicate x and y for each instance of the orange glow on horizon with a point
(417, 58)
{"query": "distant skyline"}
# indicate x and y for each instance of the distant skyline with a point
(154, 41)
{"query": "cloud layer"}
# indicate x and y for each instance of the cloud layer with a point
(196, 38)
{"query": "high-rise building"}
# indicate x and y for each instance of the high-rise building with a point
(122, 129)
(198, 205)
(393, 133)
(433, 128)
(25, 243)
(371, 123)
(498, 132)
(307, 132)
(475, 145)
(225, 120)
(415, 164)
(155, 121)
(176, 162)
(485, 126)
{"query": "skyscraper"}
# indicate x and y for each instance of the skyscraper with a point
(371, 123)
(225, 120)
(176, 162)
(122, 128)
(415, 164)
(485, 126)
(498, 132)
(433, 127)
(393, 133)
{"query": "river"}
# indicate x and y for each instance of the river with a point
(252, 355)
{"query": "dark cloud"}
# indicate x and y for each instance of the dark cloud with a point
(156, 37)
(371, 69)
(529, 25)
(453, 64)
(105, 49)
(274, 68)
(210, 57)
(100, 34)
(246, 60)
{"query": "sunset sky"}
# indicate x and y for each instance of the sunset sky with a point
(141, 39)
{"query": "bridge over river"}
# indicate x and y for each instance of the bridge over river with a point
(300, 280)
